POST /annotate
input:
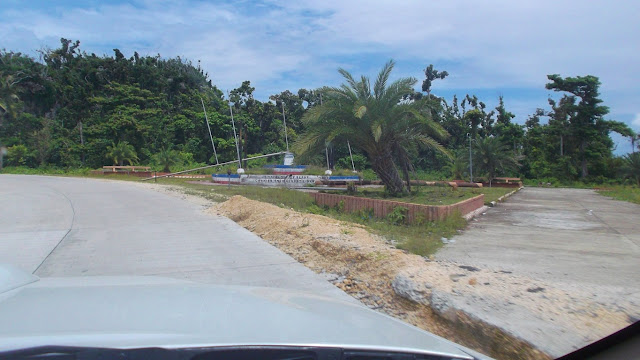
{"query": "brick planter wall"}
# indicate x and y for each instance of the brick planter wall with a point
(515, 185)
(381, 208)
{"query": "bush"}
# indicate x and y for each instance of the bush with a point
(365, 214)
(315, 209)
(257, 162)
(369, 175)
(398, 215)
(359, 161)
(17, 155)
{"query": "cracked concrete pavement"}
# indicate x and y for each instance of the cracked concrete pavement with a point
(575, 241)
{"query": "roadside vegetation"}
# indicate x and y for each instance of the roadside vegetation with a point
(423, 238)
(624, 193)
(74, 110)
(434, 195)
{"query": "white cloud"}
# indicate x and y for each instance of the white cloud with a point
(636, 122)
(278, 45)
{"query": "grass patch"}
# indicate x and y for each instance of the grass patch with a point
(428, 195)
(282, 197)
(426, 239)
(437, 195)
(490, 193)
(422, 239)
(624, 193)
(23, 170)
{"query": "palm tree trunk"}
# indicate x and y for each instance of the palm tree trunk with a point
(385, 168)
(405, 172)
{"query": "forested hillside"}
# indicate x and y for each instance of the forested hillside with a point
(72, 109)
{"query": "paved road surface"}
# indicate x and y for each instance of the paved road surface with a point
(54, 226)
(570, 236)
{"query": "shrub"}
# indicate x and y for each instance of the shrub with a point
(359, 161)
(17, 155)
(365, 214)
(315, 209)
(369, 175)
(256, 163)
(398, 215)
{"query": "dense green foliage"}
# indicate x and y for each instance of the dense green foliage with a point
(376, 121)
(75, 110)
(68, 110)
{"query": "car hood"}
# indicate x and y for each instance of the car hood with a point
(136, 312)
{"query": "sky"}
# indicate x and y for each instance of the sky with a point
(489, 48)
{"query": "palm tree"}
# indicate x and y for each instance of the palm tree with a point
(459, 165)
(631, 167)
(166, 158)
(376, 121)
(121, 152)
(8, 98)
(492, 156)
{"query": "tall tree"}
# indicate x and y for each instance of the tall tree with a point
(559, 119)
(509, 133)
(587, 124)
(432, 74)
(373, 120)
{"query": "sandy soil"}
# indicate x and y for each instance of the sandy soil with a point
(368, 268)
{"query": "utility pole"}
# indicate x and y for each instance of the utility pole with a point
(470, 160)
(234, 130)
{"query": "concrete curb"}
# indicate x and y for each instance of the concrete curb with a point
(476, 212)
(505, 196)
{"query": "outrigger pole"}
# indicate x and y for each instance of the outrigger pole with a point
(284, 119)
(209, 128)
(209, 166)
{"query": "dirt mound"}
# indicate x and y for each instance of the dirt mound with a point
(452, 300)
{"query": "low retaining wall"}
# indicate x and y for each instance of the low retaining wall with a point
(515, 185)
(381, 208)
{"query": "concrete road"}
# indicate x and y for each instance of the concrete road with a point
(570, 236)
(54, 226)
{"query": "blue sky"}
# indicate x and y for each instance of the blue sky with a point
(490, 48)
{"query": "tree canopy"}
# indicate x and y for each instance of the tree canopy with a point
(71, 109)
(374, 120)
